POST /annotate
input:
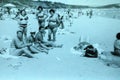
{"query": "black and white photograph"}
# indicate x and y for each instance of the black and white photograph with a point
(60, 39)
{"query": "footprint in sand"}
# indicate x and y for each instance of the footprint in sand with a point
(15, 66)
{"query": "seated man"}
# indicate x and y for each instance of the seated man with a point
(117, 45)
(34, 48)
(19, 47)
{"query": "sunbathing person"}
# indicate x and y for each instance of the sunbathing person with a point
(87, 49)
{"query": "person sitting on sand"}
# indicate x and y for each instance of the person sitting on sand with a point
(117, 45)
(19, 47)
(34, 48)
(39, 38)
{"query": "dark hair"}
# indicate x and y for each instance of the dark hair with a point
(32, 32)
(19, 31)
(51, 10)
(40, 28)
(118, 36)
(22, 11)
(89, 46)
(40, 7)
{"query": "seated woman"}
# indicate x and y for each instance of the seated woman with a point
(117, 45)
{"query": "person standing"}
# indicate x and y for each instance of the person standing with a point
(23, 21)
(41, 16)
(53, 24)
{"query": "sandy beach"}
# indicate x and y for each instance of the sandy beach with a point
(61, 63)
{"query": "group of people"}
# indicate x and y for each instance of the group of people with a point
(23, 45)
(35, 43)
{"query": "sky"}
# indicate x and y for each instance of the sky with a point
(87, 2)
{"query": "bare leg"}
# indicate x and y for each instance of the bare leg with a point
(27, 53)
(53, 45)
(49, 34)
(40, 48)
(33, 49)
(54, 34)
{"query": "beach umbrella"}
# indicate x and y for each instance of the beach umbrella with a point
(9, 5)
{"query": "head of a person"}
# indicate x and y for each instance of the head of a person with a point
(23, 12)
(41, 29)
(89, 47)
(32, 33)
(40, 8)
(118, 35)
(19, 34)
(52, 11)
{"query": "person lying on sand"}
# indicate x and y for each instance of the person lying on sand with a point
(19, 47)
(87, 49)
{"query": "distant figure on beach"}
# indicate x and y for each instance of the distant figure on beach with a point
(69, 17)
(1, 14)
(117, 45)
(53, 24)
(89, 13)
(17, 14)
(23, 22)
(61, 24)
(19, 47)
(80, 13)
